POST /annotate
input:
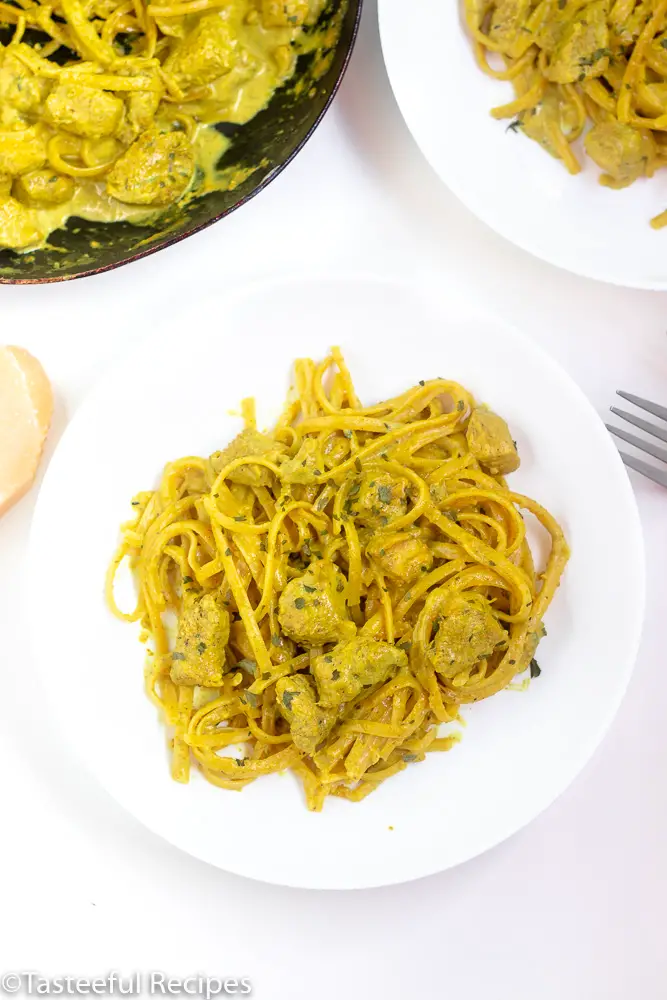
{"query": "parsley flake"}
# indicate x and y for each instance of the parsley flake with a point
(288, 698)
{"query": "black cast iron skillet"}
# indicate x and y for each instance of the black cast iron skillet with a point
(272, 138)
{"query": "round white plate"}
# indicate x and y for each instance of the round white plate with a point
(506, 179)
(171, 397)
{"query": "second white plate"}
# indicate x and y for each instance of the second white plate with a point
(171, 397)
(507, 180)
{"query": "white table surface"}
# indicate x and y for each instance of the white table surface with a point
(573, 906)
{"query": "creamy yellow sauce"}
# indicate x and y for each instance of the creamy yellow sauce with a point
(265, 58)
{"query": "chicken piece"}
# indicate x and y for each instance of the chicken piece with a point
(306, 466)
(18, 229)
(203, 633)
(207, 52)
(582, 49)
(467, 633)
(312, 608)
(19, 86)
(249, 443)
(41, 188)
(141, 109)
(157, 169)
(553, 114)
(86, 111)
(620, 150)
(284, 13)
(309, 724)
(506, 29)
(381, 498)
(404, 560)
(491, 443)
(22, 151)
(353, 665)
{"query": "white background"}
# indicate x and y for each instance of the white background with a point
(572, 907)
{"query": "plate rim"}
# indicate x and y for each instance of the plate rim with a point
(468, 312)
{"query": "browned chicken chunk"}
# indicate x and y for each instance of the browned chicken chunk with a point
(312, 608)
(309, 724)
(620, 150)
(404, 560)
(353, 665)
(468, 633)
(203, 633)
(491, 443)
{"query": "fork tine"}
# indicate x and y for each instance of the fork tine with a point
(656, 475)
(646, 446)
(644, 425)
(644, 404)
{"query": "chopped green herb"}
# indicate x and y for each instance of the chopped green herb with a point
(276, 640)
(248, 665)
(178, 656)
(384, 521)
(405, 646)
(262, 546)
(340, 587)
(251, 698)
(357, 464)
(384, 494)
(347, 434)
(187, 579)
(335, 674)
(201, 648)
(228, 551)
(288, 698)
(310, 590)
(460, 405)
(421, 381)
(135, 503)
(239, 761)
(381, 552)
(300, 603)
(409, 757)
(535, 669)
(239, 517)
(513, 126)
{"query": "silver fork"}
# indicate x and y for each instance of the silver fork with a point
(650, 471)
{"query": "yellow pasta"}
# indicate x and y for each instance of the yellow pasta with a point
(322, 597)
(573, 62)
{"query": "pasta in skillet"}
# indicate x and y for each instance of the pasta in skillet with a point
(340, 585)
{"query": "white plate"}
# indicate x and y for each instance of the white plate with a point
(506, 179)
(171, 397)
